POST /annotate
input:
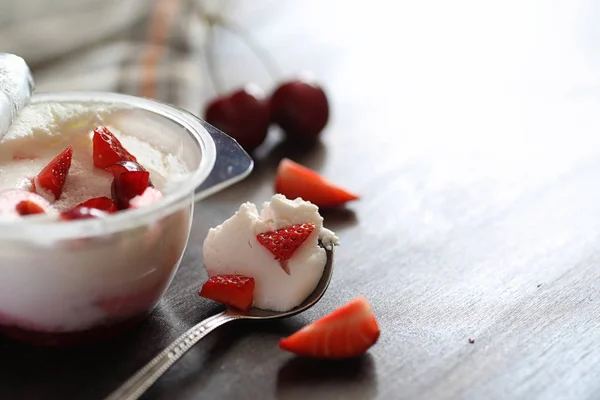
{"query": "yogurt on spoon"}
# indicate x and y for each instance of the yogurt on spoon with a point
(277, 249)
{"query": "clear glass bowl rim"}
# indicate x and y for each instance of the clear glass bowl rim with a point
(34, 229)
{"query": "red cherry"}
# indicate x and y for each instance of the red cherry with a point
(127, 185)
(244, 115)
(124, 166)
(82, 213)
(300, 108)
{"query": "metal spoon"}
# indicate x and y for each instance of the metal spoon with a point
(137, 385)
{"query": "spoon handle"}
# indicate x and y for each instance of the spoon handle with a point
(137, 385)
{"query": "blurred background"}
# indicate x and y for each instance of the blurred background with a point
(163, 48)
(470, 80)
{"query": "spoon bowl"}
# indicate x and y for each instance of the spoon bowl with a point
(139, 383)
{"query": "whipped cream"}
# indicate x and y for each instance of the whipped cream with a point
(232, 248)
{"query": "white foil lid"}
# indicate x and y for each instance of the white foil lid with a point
(16, 88)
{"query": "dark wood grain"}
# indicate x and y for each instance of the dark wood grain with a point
(471, 131)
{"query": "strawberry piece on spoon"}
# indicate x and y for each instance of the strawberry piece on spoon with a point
(285, 241)
(235, 291)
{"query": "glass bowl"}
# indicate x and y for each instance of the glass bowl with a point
(64, 283)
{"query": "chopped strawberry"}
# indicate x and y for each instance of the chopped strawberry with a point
(18, 202)
(53, 176)
(347, 332)
(107, 149)
(149, 196)
(128, 185)
(100, 203)
(82, 213)
(235, 291)
(285, 241)
(294, 180)
(29, 207)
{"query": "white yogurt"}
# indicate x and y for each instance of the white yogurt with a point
(232, 248)
(43, 130)
(78, 284)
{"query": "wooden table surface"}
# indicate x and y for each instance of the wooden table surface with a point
(472, 131)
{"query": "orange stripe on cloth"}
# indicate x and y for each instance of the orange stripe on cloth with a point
(160, 24)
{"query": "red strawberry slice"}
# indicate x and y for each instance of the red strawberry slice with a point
(285, 241)
(29, 207)
(100, 203)
(347, 332)
(235, 291)
(294, 180)
(107, 149)
(21, 202)
(127, 185)
(53, 176)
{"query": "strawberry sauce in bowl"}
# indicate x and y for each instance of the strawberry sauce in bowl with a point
(100, 190)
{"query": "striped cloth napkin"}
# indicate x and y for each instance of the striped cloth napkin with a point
(149, 48)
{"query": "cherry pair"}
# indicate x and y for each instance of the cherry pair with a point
(299, 107)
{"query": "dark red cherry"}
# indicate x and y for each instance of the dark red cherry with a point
(82, 213)
(244, 115)
(300, 108)
(125, 186)
(124, 166)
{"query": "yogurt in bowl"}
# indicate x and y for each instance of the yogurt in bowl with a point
(69, 282)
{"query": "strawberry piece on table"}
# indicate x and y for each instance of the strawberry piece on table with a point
(285, 241)
(236, 291)
(107, 149)
(347, 332)
(127, 185)
(100, 203)
(53, 176)
(294, 180)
